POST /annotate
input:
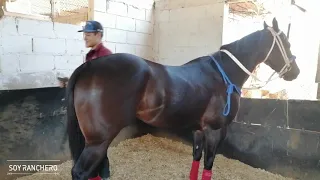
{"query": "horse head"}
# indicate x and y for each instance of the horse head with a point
(279, 57)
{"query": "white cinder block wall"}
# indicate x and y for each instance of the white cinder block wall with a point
(33, 52)
(128, 25)
(186, 29)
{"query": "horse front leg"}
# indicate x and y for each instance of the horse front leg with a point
(197, 154)
(213, 139)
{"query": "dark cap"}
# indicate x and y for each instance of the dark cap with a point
(92, 26)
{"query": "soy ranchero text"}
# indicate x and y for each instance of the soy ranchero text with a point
(20, 167)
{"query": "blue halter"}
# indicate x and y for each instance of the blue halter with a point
(230, 89)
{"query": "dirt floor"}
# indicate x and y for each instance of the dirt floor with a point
(154, 158)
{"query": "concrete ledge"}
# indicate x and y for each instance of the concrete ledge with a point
(31, 80)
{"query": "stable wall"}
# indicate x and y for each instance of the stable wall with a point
(186, 29)
(33, 52)
(128, 25)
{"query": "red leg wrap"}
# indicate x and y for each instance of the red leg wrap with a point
(206, 174)
(95, 178)
(194, 170)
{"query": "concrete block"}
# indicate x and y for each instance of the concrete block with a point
(117, 8)
(35, 28)
(187, 13)
(144, 27)
(169, 4)
(165, 47)
(144, 51)
(199, 40)
(60, 63)
(125, 23)
(100, 5)
(215, 10)
(163, 16)
(36, 63)
(67, 31)
(104, 38)
(106, 19)
(75, 47)
(210, 25)
(111, 46)
(16, 44)
(176, 4)
(75, 61)
(8, 26)
(136, 13)
(28, 80)
(190, 27)
(125, 48)
(190, 3)
(150, 16)
(116, 35)
(169, 28)
(144, 4)
(49, 46)
(68, 62)
(139, 38)
(179, 39)
(156, 38)
(9, 64)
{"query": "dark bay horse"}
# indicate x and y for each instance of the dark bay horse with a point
(109, 93)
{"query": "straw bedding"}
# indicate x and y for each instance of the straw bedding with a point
(155, 158)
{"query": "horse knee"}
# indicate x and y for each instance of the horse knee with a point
(197, 145)
(75, 173)
(104, 171)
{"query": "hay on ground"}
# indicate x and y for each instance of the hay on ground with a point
(155, 158)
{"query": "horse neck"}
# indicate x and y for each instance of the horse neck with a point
(249, 51)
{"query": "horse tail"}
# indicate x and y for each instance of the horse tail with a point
(76, 138)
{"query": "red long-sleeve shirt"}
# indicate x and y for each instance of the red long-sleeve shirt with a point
(99, 51)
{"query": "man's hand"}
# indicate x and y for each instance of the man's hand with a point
(63, 82)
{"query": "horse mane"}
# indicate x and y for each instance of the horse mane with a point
(244, 41)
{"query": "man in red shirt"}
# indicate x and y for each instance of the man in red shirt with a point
(92, 34)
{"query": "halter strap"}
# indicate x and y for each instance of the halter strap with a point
(286, 67)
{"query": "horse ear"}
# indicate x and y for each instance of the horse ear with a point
(275, 24)
(265, 25)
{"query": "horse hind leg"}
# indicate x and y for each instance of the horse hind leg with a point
(93, 160)
(213, 139)
(198, 137)
(102, 171)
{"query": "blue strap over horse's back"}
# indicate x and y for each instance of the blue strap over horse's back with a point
(230, 89)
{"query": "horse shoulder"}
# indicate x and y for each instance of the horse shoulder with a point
(213, 115)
